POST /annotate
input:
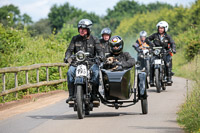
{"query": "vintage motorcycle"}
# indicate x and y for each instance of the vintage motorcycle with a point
(117, 87)
(143, 59)
(159, 68)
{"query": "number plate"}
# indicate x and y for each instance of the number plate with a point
(157, 62)
(81, 70)
(145, 51)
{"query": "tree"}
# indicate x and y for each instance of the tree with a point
(157, 6)
(9, 11)
(26, 19)
(42, 27)
(126, 9)
(68, 14)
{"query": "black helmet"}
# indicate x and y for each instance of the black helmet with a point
(106, 31)
(85, 23)
(116, 41)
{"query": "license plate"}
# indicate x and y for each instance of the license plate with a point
(145, 51)
(81, 70)
(157, 62)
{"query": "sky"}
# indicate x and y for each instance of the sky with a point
(39, 9)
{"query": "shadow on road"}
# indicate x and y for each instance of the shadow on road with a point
(153, 90)
(111, 114)
(74, 116)
(163, 129)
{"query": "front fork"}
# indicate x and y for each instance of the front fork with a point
(159, 67)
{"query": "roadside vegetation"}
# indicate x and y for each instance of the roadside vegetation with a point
(24, 42)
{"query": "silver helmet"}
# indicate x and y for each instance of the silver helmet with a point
(85, 23)
(106, 31)
(143, 34)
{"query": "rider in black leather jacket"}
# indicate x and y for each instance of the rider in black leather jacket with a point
(162, 39)
(87, 43)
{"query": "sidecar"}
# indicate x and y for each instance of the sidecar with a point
(118, 87)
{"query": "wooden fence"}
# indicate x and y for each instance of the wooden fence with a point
(28, 85)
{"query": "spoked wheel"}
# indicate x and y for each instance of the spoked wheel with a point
(158, 81)
(80, 102)
(147, 68)
(144, 104)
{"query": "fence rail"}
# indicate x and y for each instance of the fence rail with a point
(28, 85)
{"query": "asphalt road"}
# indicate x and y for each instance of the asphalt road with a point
(59, 118)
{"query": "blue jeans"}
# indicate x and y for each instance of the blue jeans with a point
(71, 73)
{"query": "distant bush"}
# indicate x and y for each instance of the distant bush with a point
(192, 49)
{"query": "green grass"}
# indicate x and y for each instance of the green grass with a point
(189, 113)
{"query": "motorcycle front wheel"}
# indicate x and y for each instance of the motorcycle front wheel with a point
(147, 68)
(158, 81)
(80, 102)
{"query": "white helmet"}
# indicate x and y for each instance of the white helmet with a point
(163, 24)
(143, 34)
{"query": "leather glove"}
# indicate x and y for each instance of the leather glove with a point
(103, 59)
(117, 63)
(68, 60)
(174, 51)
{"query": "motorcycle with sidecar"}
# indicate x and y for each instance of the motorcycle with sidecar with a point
(117, 86)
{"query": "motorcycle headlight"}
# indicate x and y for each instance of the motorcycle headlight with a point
(156, 52)
(80, 56)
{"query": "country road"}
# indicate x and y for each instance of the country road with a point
(59, 118)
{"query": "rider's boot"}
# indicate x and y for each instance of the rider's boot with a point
(95, 89)
(165, 77)
(169, 77)
(172, 73)
(71, 93)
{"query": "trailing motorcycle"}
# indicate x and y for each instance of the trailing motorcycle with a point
(159, 68)
(144, 59)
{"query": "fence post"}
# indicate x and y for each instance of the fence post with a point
(60, 72)
(187, 88)
(27, 81)
(4, 82)
(47, 73)
(16, 85)
(38, 78)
